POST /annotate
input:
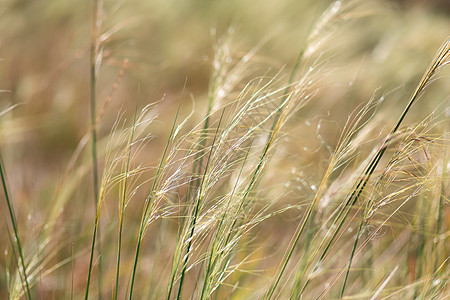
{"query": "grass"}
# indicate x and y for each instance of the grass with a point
(15, 242)
(287, 170)
(94, 54)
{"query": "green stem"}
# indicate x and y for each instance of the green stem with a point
(148, 202)
(93, 80)
(196, 169)
(122, 209)
(196, 211)
(439, 60)
(15, 229)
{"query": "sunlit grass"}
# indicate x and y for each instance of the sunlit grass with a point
(319, 173)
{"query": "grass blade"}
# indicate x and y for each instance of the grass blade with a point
(148, 202)
(196, 211)
(93, 82)
(15, 229)
(122, 207)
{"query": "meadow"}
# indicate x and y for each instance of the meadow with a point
(224, 149)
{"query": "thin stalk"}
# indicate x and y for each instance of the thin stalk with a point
(196, 169)
(287, 256)
(358, 234)
(442, 199)
(122, 208)
(212, 261)
(349, 203)
(93, 82)
(352, 255)
(192, 186)
(91, 259)
(148, 202)
(15, 229)
(367, 267)
(308, 214)
(440, 59)
(175, 260)
(196, 211)
(22, 281)
(279, 117)
(303, 262)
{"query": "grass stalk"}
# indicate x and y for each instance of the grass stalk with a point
(196, 211)
(287, 256)
(196, 169)
(355, 244)
(12, 217)
(148, 203)
(440, 59)
(91, 258)
(212, 261)
(303, 262)
(93, 83)
(122, 206)
(16, 260)
(442, 199)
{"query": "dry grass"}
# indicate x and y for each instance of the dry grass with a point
(148, 156)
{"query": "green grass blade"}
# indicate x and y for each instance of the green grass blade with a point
(93, 83)
(196, 169)
(147, 205)
(197, 210)
(16, 259)
(211, 262)
(91, 258)
(127, 168)
(355, 244)
(440, 59)
(15, 229)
